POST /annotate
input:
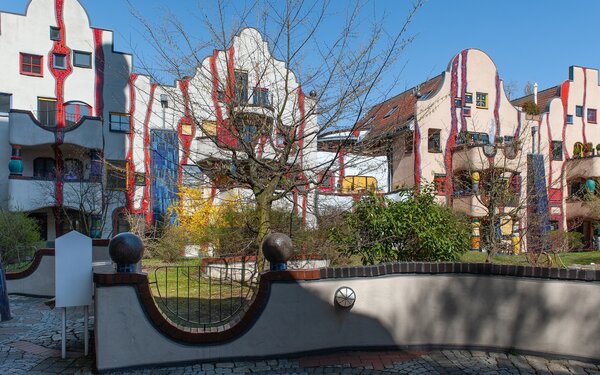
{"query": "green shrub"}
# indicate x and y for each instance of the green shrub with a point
(415, 228)
(19, 236)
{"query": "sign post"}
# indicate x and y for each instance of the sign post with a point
(73, 267)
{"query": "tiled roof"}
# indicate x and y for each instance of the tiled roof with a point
(380, 125)
(544, 98)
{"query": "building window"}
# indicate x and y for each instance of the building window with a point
(591, 115)
(457, 102)
(221, 95)
(433, 140)
(248, 133)
(359, 183)
(261, 97)
(46, 112)
(508, 139)
(391, 111)
(43, 168)
(191, 175)
(579, 111)
(409, 143)
(241, 87)
(54, 33)
(468, 98)
(59, 61)
(569, 119)
(82, 59)
(209, 128)
(5, 103)
(439, 182)
(74, 111)
(31, 65)
(481, 100)
(186, 129)
(116, 174)
(557, 150)
(119, 122)
(140, 179)
(280, 140)
(515, 184)
(73, 169)
(467, 111)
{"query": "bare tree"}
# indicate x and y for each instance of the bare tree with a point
(265, 139)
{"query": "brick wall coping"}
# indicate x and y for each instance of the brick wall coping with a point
(245, 319)
(37, 259)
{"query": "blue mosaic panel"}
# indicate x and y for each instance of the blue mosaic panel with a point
(165, 172)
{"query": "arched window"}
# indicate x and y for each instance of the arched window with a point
(73, 169)
(74, 111)
(43, 168)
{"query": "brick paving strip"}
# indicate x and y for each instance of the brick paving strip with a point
(374, 360)
(29, 344)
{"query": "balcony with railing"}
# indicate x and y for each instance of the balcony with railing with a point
(474, 152)
(27, 129)
(584, 166)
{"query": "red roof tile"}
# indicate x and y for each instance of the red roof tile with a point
(544, 98)
(381, 125)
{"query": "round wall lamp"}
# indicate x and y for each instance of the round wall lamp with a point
(345, 297)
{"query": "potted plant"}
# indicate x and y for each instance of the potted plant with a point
(588, 149)
(598, 149)
(578, 150)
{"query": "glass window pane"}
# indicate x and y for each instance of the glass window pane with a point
(82, 59)
(4, 103)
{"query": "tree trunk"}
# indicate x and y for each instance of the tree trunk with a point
(4, 305)
(263, 210)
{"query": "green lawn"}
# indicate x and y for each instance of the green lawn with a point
(189, 297)
(569, 259)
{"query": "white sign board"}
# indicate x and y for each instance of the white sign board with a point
(73, 266)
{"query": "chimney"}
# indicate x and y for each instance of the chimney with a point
(535, 90)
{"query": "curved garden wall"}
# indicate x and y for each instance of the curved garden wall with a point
(406, 305)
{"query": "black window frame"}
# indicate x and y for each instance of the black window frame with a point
(53, 30)
(6, 100)
(122, 115)
(88, 54)
(557, 150)
(47, 170)
(47, 117)
(240, 78)
(432, 134)
(579, 111)
(116, 171)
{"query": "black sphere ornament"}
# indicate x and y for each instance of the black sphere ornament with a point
(278, 249)
(126, 249)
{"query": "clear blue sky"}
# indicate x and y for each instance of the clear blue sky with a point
(529, 40)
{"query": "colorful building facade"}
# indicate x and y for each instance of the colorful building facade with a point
(88, 141)
(500, 162)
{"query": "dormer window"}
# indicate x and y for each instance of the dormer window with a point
(391, 111)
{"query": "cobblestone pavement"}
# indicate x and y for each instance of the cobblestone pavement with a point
(30, 344)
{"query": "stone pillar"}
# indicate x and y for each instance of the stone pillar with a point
(15, 165)
(475, 235)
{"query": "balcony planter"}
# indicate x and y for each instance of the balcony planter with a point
(588, 150)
